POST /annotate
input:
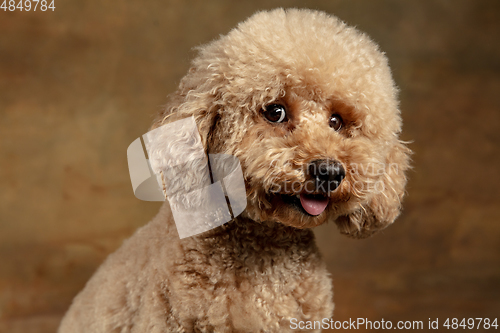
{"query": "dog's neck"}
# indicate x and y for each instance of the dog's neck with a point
(265, 232)
(244, 243)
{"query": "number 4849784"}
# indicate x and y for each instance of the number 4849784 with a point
(27, 5)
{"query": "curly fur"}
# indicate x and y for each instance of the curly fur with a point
(258, 271)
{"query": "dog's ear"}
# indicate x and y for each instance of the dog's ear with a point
(384, 205)
(196, 97)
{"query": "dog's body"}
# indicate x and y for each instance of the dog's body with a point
(214, 283)
(309, 108)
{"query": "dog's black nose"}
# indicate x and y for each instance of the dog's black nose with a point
(327, 174)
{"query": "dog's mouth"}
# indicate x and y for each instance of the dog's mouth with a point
(309, 204)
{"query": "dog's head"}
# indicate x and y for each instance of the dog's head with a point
(309, 107)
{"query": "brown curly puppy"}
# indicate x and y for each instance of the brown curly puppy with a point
(309, 107)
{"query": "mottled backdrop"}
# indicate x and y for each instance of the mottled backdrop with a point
(79, 84)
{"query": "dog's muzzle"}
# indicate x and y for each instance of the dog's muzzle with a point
(326, 175)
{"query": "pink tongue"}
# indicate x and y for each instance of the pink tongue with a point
(313, 205)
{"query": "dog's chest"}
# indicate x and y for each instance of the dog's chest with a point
(255, 286)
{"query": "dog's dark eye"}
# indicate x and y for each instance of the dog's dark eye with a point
(275, 113)
(335, 122)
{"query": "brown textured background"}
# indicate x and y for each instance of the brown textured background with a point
(79, 84)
